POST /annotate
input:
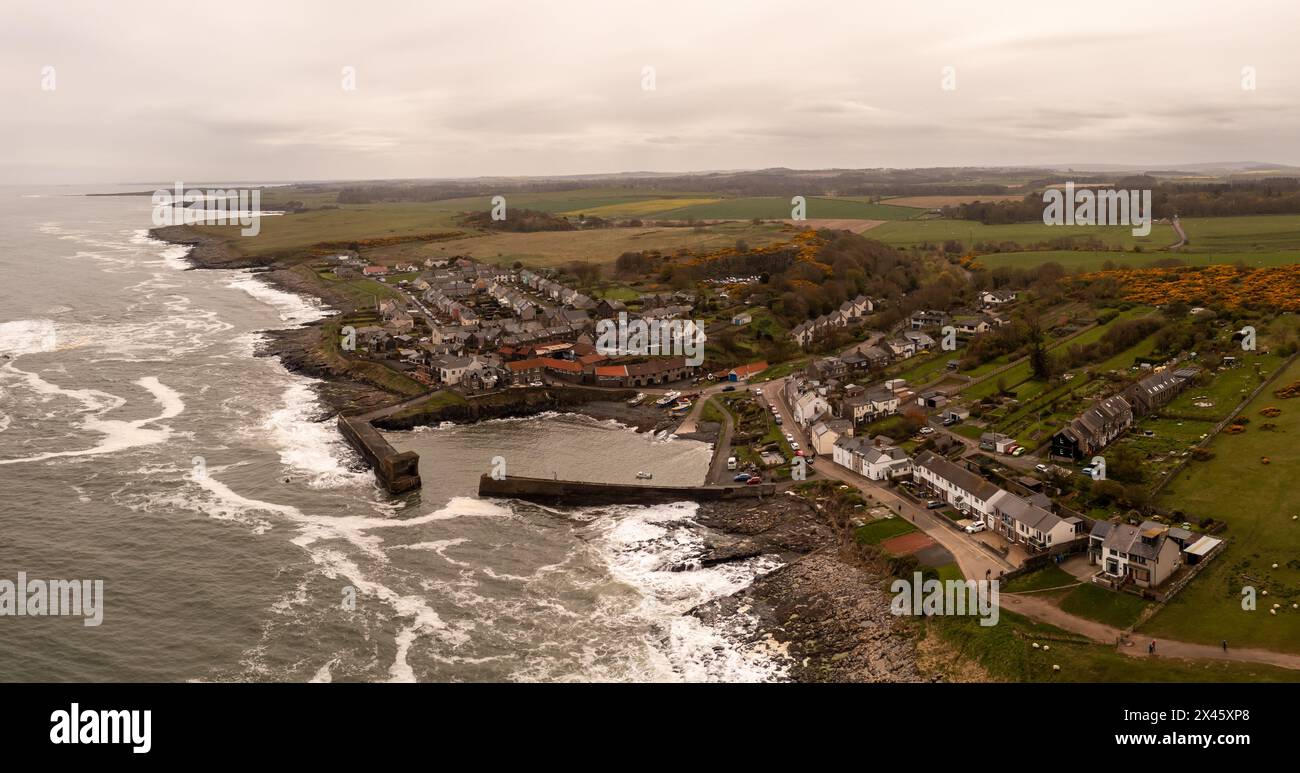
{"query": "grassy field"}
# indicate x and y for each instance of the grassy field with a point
(778, 208)
(937, 231)
(876, 532)
(1257, 501)
(603, 245)
(1007, 653)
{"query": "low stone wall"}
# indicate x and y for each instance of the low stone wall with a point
(573, 492)
(397, 472)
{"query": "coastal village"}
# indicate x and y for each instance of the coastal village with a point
(982, 501)
(1060, 431)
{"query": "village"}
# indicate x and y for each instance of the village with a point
(991, 504)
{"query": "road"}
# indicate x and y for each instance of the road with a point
(975, 562)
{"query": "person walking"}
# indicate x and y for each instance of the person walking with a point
(1225, 645)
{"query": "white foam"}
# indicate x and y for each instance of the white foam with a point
(28, 336)
(307, 446)
(118, 435)
(295, 309)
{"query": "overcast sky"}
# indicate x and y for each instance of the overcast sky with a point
(149, 91)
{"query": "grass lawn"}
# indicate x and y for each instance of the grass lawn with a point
(1050, 576)
(1105, 606)
(1257, 502)
(878, 531)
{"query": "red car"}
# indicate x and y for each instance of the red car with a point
(753, 481)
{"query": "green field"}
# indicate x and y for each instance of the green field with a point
(937, 231)
(778, 208)
(876, 532)
(1006, 652)
(1257, 501)
(1254, 240)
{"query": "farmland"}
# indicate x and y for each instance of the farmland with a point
(778, 208)
(1257, 502)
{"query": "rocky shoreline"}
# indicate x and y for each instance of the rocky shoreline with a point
(297, 349)
(828, 613)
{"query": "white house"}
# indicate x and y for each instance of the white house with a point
(1022, 521)
(809, 407)
(1143, 555)
(959, 487)
(879, 463)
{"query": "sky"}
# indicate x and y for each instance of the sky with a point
(128, 91)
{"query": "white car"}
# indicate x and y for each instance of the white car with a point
(1041, 468)
(789, 437)
(975, 527)
(927, 430)
(794, 445)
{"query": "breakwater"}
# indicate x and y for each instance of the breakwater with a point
(574, 492)
(397, 472)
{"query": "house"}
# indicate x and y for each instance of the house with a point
(1093, 429)
(743, 318)
(885, 462)
(827, 368)
(901, 347)
(450, 369)
(971, 325)
(822, 437)
(375, 270)
(928, 318)
(1030, 524)
(869, 405)
(921, 342)
(810, 407)
(1144, 555)
(1102, 423)
(1156, 390)
(745, 372)
(956, 485)
(997, 297)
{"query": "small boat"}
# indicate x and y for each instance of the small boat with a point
(667, 399)
(635, 401)
(644, 475)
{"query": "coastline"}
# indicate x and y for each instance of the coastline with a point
(297, 350)
(826, 612)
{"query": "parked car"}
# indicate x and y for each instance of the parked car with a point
(742, 477)
(728, 388)
(731, 462)
(789, 437)
(927, 430)
(753, 481)
(797, 452)
(1020, 451)
(1041, 468)
(794, 444)
(975, 527)
(934, 504)
(778, 421)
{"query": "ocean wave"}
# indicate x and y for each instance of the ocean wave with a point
(118, 435)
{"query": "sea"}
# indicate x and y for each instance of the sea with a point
(239, 538)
